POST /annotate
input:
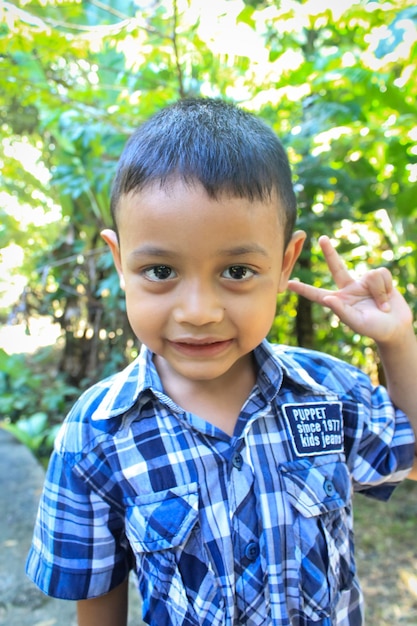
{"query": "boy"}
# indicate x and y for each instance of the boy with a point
(217, 466)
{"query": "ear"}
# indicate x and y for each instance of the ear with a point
(291, 254)
(111, 239)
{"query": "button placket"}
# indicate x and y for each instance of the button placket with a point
(237, 461)
(329, 487)
(252, 551)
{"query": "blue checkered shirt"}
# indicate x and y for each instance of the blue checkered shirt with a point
(252, 529)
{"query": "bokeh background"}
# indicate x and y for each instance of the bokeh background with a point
(336, 80)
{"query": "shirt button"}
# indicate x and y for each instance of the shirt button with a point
(237, 461)
(252, 551)
(329, 487)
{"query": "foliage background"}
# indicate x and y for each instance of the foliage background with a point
(337, 83)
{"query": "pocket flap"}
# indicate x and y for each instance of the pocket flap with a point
(317, 486)
(162, 520)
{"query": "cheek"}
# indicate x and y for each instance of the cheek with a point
(269, 311)
(257, 313)
(145, 316)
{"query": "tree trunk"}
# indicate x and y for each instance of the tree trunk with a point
(304, 320)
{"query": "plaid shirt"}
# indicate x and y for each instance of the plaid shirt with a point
(252, 529)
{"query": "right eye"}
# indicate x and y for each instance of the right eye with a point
(159, 272)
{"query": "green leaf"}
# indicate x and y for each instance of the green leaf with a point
(30, 431)
(246, 16)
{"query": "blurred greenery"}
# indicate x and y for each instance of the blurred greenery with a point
(335, 81)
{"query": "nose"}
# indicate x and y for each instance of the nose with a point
(198, 304)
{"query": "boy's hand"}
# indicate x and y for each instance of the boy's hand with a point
(370, 305)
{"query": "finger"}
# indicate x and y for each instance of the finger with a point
(337, 268)
(315, 294)
(380, 286)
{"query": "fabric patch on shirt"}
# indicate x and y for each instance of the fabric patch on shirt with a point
(316, 427)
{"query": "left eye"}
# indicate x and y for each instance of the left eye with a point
(238, 272)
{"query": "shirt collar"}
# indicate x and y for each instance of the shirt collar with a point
(132, 385)
(122, 390)
(277, 365)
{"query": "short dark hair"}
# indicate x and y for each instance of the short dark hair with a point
(205, 140)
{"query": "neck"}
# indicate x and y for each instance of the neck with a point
(218, 401)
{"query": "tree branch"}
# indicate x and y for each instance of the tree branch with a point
(176, 52)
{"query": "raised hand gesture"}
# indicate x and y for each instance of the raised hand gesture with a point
(370, 305)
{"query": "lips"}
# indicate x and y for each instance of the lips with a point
(200, 347)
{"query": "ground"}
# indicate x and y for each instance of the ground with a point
(386, 549)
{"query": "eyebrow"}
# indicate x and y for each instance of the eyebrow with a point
(253, 248)
(155, 251)
(149, 250)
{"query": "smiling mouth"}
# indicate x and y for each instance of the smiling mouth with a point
(201, 347)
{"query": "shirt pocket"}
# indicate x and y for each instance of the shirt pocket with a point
(162, 520)
(321, 545)
(175, 578)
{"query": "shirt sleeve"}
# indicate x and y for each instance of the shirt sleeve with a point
(382, 452)
(79, 548)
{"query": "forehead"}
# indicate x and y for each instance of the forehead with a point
(195, 200)
(184, 221)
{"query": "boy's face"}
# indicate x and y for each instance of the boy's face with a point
(201, 276)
